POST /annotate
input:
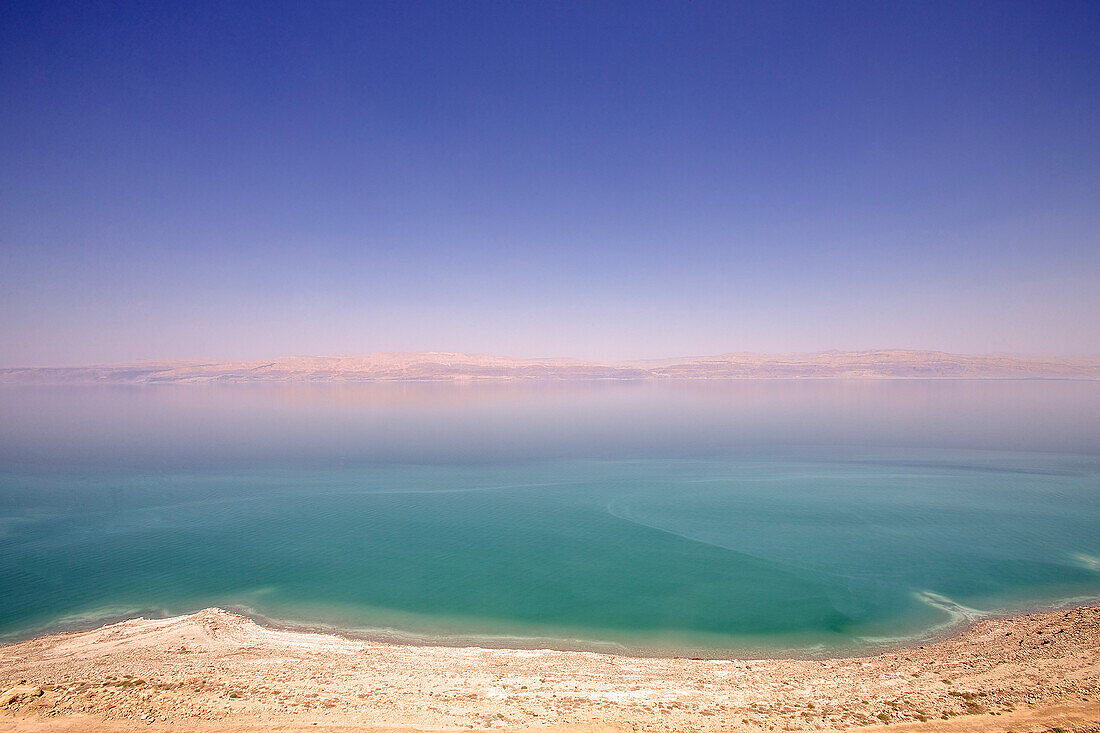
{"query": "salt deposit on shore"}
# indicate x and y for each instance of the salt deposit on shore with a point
(214, 670)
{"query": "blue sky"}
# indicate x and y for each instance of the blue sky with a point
(600, 180)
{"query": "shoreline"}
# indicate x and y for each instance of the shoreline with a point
(860, 648)
(216, 668)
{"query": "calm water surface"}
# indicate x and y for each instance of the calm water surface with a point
(754, 515)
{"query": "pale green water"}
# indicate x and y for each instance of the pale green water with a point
(655, 517)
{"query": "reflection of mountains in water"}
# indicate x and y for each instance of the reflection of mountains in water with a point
(434, 366)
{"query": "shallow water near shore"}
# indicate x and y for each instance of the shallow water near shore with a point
(655, 517)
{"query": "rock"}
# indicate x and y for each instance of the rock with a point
(19, 693)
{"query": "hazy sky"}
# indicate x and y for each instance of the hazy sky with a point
(600, 180)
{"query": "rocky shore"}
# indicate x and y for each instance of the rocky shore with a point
(214, 670)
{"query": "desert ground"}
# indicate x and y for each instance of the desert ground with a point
(215, 671)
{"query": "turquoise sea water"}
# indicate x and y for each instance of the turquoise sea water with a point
(676, 518)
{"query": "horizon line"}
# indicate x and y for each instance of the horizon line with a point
(194, 360)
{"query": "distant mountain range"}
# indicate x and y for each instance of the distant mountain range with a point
(436, 366)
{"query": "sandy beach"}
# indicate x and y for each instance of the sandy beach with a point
(215, 670)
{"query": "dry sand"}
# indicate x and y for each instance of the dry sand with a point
(215, 670)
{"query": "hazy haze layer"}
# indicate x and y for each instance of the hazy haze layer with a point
(451, 366)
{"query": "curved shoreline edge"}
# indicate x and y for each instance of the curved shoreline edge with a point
(216, 668)
(864, 646)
